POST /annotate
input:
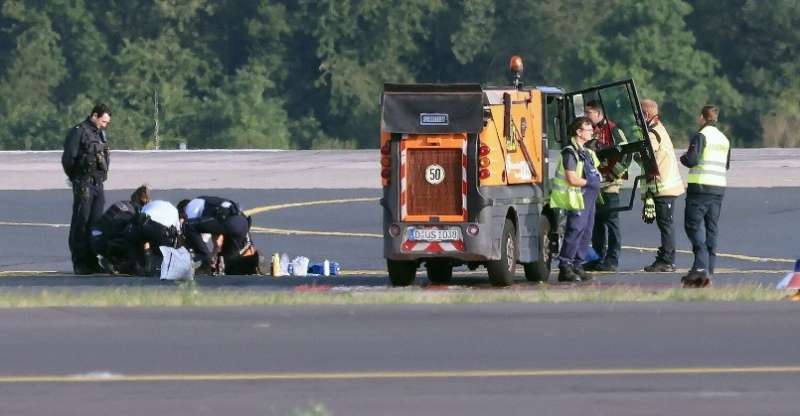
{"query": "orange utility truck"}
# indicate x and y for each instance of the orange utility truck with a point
(465, 173)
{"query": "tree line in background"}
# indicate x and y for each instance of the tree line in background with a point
(308, 73)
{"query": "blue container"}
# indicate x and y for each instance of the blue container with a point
(318, 268)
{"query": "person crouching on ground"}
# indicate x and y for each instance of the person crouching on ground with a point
(110, 233)
(233, 251)
(158, 226)
(575, 189)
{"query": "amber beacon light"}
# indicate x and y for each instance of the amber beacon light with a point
(515, 64)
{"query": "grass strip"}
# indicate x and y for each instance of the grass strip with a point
(192, 295)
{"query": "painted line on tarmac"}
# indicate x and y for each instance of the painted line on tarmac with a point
(27, 272)
(730, 256)
(281, 231)
(289, 232)
(33, 224)
(266, 208)
(104, 377)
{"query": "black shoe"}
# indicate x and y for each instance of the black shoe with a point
(600, 267)
(696, 279)
(583, 274)
(590, 265)
(660, 266)
(566, 274)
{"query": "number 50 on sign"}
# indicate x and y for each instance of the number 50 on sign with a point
(434, 174)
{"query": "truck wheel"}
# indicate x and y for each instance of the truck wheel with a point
(401, 273)
(539, 271)
(501, 272)
(439, 271)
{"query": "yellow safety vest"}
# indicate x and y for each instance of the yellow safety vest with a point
(562, 194)
(712, 167)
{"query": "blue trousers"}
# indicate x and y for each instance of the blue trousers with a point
(700, 221)
(578, 235)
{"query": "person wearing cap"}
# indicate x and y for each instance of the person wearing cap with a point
(708, 159)
(663, 190)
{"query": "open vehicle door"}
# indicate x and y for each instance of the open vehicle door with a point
(620, 104)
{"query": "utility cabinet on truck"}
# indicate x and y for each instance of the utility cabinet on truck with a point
(465, 173)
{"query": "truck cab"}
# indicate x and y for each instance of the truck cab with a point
(465, 173)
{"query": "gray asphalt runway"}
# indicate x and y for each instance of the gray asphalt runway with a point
(569, 359)
(758, 224)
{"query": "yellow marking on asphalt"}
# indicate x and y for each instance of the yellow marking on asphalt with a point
(266, 208)
(289, 232)
(394, 375)
(33, 224)
(732, 256)
(26, 272)
(282, 231)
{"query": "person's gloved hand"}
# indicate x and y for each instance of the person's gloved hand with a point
(649, 210)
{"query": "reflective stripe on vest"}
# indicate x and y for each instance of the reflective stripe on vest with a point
(562, 194)
(712, 167)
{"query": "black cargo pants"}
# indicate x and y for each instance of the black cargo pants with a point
(87, 207)
(665, 211)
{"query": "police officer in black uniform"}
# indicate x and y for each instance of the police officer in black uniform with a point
(111, 234)
(219, 217)
(85, 161)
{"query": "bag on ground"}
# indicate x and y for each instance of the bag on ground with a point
(177, 264)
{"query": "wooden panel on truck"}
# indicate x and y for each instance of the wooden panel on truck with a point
(425, 198)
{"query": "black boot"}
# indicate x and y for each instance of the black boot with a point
(660, 266)
(566, 274)
(583, 274)
(696, 279)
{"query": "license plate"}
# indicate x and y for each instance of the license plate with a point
(433, 234)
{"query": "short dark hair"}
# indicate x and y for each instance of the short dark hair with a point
(577, 124)
(710, 113)
(101, 109)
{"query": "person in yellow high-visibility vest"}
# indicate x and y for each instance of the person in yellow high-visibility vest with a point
(661, 192)
(708, 159)
(574, 189)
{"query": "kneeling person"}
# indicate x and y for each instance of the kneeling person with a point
(110, 234)
(159, 226)
(230, 230)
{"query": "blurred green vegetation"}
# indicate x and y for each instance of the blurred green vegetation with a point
(308, 74)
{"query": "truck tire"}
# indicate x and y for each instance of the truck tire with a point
(401, 273)
(439, 271)
(539, 270)
(501, 272)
